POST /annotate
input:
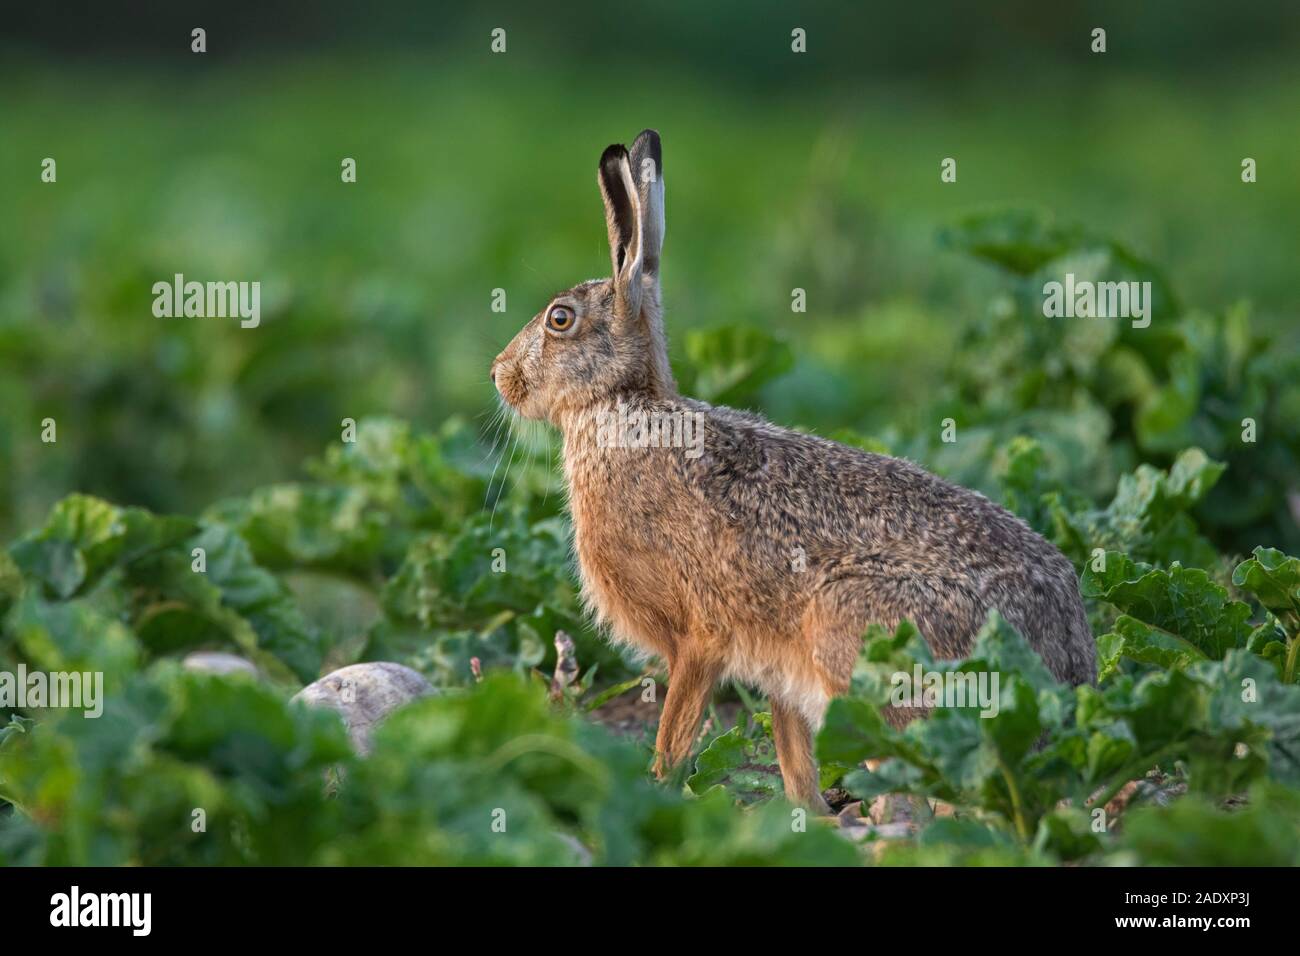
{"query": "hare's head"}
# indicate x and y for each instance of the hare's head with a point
(605, 337)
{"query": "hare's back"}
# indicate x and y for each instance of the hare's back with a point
(833, 493)
(886, 533)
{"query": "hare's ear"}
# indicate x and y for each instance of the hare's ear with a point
(648, 169)
(623, 219)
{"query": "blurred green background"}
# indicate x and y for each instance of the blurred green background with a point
(476, 172)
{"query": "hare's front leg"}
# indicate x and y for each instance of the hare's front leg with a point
(691, 679)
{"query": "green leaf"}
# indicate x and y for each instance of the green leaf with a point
(262, 600)
(72, 636)
(1193, 832)
(742, 761)
(11, 582)
(728, 365)
(1019, 240)
(1181, 601)
(1148, 516)
(1247, 694)
(84, 537)
(1000, 645)
(853, 731)
(1067, 834)
(1165, 416)
(1273, 578)
(1137, 641)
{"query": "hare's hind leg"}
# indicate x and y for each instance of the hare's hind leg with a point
(833, 623)
(691, 680)
(794, 751)
(836, 619)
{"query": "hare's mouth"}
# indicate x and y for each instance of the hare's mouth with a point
(512, 394)
(512, 388)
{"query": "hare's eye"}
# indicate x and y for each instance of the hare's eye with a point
(560, 318)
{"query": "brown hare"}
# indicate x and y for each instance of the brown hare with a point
(735, 549)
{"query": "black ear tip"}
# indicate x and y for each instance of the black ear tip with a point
(647, 143)
(613, 153)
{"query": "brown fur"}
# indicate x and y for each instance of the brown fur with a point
(763, 558)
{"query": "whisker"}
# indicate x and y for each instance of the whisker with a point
(552, 454)
(492, 478)
(514, 443)
(494, 426)
(531, 443)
